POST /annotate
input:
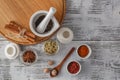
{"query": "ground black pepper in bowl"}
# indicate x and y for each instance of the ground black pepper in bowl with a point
(50, 24)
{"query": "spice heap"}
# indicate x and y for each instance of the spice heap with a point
(83, 51)
(51, 47)
(29, 57)
(73, 67)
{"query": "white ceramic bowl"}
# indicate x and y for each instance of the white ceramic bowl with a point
(16, 51)
(78, 70)
(26, 63)
(90, 51)
(61, 38)
(10, 50)
(34, 18)
(53, 53)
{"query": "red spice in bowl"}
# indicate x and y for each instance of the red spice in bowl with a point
(83, 51)
(74, 67)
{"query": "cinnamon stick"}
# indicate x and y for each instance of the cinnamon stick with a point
(13, 27)
(26, 33)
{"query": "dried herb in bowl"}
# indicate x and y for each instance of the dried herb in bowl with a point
(51, 47)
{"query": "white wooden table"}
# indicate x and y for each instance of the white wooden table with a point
(94, 22)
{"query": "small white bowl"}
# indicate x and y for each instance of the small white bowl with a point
(10, 50)
(53, 53)
(61, 37)
(90, 51)
(16, 50)
(26, 63)
(78, 70)
(34, 18)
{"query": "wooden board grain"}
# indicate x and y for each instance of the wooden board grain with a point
(20, 11)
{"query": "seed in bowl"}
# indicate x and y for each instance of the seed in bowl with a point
(51, 47)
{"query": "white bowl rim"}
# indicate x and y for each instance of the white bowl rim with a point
(89, 54)
(79, 69)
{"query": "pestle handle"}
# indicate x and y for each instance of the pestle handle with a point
(42, 26)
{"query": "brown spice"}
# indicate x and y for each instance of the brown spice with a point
(83, 51)
(50, 62)
(46, 70)
(27, 33)
(14, 27)
(29, 56)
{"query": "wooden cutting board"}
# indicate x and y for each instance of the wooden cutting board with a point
(20, 11)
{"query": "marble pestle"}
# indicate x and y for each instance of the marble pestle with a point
(43, 24)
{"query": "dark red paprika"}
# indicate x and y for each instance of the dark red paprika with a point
(73, 67)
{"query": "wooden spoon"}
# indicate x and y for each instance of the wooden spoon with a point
(54, 72)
